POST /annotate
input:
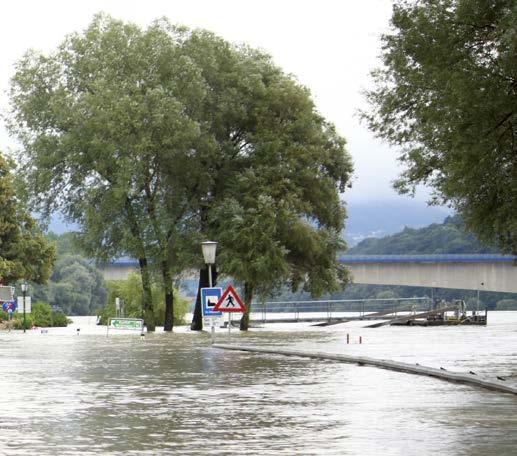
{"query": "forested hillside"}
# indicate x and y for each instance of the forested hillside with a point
(449, 237)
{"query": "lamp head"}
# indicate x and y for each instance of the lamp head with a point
(209, 248)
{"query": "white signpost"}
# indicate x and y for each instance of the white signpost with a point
(6, 293)
(28, 304)
(135, 324)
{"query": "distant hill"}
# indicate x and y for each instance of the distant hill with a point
(446, 237)
(382, 218)
(365, 219)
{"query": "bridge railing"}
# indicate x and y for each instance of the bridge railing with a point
(338, 307)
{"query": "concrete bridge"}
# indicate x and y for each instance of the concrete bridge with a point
(484, 272)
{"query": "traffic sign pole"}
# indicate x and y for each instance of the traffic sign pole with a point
(230, 302)
(212, 326)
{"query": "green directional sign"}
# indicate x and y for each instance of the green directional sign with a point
(126, 323)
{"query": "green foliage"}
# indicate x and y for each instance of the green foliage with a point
(42, 316)
(447, 94)
(249, 246)
(66, 243)
(18, 321)
(130, 292)
(449, 237)
(79, 286)
(76, 286)
(59, 319)
(274, 203)
(24, 251)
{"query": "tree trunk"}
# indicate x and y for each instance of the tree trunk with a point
(164, 245)
(147, 297)
(169, 298)
(197, 318)
(248, 296)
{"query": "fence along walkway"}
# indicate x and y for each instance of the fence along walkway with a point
(331, 308)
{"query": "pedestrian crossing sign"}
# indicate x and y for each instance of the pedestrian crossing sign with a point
(230, 302)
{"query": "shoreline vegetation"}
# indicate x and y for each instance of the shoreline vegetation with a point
(41, 316)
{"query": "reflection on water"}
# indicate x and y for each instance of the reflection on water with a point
(173, 393)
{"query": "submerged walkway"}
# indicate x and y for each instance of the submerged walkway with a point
(441, 373)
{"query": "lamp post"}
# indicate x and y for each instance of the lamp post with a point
(24, 293)
(209, 248)
(482, 283)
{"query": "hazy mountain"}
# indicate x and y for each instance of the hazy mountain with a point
(437, 238)
(365, 219)
(382, 218)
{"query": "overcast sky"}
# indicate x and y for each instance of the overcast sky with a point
(330, 45)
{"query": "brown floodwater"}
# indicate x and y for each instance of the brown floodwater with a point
(72, 394)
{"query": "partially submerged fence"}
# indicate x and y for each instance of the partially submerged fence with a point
(337, 307)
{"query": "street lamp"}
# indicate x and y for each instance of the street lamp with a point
(209, 248)
(482, 283)
(24, 287)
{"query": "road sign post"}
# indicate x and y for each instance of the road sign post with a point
(125, 323)
(209, 298)
(230, 302)
(9, 306)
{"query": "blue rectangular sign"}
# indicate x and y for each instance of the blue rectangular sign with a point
(209, 298)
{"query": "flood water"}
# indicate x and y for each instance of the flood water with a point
(71, 394)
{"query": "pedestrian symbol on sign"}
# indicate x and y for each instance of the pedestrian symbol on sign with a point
(230, 302)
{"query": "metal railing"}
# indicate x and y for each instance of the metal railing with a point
(332, 307)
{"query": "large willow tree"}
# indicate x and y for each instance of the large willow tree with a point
(144, 136)
(447, 94)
